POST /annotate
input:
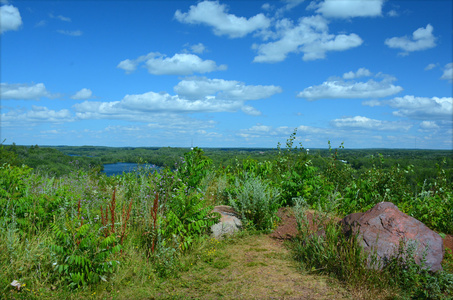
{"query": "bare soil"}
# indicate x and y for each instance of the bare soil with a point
(448, 242)
(259, 268)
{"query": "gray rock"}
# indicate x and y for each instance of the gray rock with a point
(383, 227)
(229, 221)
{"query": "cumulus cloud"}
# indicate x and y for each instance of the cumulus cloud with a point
(83, 94)
(261, 131)
(310, 37)
(360, 122)
(338, 88)
(362, 72)
(448, 73)
(421, 39)
(136, 107)
(419, 108)
(70, 32)
(20, 91)
(10, 18)
(348, 8)
(251, 111)
(429, 125)
(199, 87)
(195, 95)
(37, 114)
(422, 108)
(198, 48)
(216, 15)
(179, 64)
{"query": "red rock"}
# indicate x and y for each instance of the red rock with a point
(384, 226)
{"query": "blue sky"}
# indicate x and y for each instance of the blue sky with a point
(371, 74)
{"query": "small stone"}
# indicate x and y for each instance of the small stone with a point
(229, 221)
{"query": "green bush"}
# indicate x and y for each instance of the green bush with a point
(256, 201)
(82, 254)
(194, 168)
(186, 216)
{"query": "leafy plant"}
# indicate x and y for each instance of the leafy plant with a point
(256, 201)
(187, 216)
(82, 253)
(296, 174)
(194, 167)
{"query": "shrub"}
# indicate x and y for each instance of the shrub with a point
(81, 252)
(256, 201)
(186, 216)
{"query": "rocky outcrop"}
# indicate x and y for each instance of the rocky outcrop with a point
(381, 229)
(229, 221)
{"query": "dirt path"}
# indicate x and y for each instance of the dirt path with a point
(252, 267)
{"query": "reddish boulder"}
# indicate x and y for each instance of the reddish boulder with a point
(383, 227)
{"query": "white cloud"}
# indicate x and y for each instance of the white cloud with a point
(290, 4)
(372, 103)
(179, 64)
(216, 15)
(422, 108)
(422, 39)
(448, 73)
(362, 72)
(348, 8)
(249, 110)
(41, 23)
(429, 125)
(37, 114)
(393, 13)
(70, 33)
(83, 94)
(145, 107)
(60, 17)
(23, 91)
(267, 6)
(203, 96)
(310, 37)
(198, 48)
(10, 18)
(338, 88)
(260, 131)
(128, 65)
(304, 133)
(359, 122)
(199, 87)
(430, 67)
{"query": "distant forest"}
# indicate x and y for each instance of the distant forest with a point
(62, 160)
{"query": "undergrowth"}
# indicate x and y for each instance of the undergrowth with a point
(82, 232)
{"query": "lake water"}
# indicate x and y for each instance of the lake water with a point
(119, 168)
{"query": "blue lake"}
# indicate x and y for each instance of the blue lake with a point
(120, 168)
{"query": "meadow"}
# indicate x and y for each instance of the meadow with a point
(68, 231)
